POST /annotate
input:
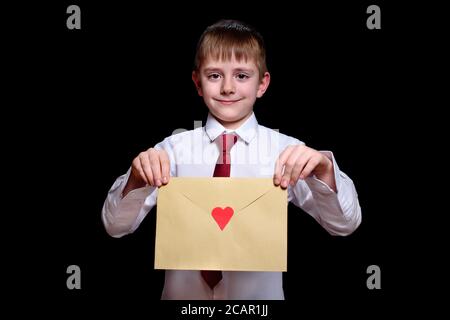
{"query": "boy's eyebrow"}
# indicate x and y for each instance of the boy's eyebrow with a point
(248, 70)
(211, 69)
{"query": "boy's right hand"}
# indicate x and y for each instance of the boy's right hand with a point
(151, 167)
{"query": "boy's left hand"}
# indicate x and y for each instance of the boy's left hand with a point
(299, 162)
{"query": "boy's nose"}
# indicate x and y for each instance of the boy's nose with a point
(227, 87)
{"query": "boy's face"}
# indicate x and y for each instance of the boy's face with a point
(230, 88)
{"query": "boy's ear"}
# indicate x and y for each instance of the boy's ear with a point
(196, 79)
(263, 85)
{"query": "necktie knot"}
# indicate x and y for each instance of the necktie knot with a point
(227, 141)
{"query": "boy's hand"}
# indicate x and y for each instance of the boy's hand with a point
(299, 162)
(151, 167)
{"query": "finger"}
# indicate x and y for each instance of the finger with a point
(310, 166)
(142, 175)
(165, 166)
(279, 164)
(288, 168)
(156, 166)
(146, 168)
(298, 168)
(137, 170)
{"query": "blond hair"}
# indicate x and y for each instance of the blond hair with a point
(228, 38)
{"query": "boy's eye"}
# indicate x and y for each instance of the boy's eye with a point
(242, 76)
(213, 76)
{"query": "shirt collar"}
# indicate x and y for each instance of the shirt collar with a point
(246, 131)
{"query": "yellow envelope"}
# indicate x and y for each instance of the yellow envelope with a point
(234, 224)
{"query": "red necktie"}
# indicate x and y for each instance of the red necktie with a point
(222, 169)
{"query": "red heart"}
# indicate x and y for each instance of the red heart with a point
(222, 216)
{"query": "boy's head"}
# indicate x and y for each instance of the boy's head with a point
(230, 38)
(230, 70)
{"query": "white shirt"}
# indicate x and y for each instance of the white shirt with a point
(193, 153)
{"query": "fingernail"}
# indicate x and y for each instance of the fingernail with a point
(164, 179)
(158, 182)
(276, 180)
(284, 183)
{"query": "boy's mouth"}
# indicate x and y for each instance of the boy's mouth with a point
(227, 102)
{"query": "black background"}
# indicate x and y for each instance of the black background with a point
(98, 96)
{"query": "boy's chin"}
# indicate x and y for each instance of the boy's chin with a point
(230, 120)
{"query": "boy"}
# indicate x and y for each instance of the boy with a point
(230, 74)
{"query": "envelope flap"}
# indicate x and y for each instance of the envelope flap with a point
(209, 193)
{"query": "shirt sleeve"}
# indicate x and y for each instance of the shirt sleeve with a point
(338, 212)
(123, 215)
